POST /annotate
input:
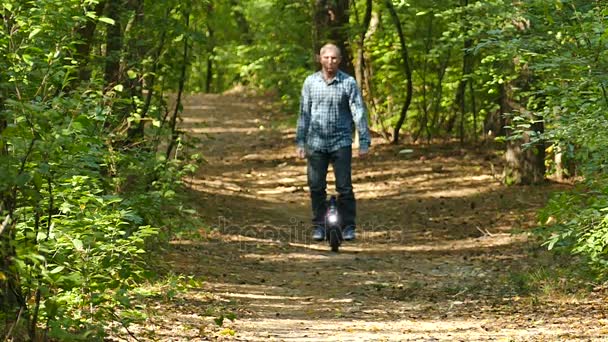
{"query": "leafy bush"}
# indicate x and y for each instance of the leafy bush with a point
(82, 199)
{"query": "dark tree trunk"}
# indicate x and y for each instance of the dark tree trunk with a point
(473, 108)
(331, 25)
(210, 50)
(466, 71)
(85, 35)
(151, 81)
(424, 121)
(114, 41)
(241, 22)
(524, 165)
(136, 50)
(360, 64)
(136, 53)
(439, 92)
(408, 72)
(180, 91)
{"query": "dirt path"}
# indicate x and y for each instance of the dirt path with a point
(435, 259)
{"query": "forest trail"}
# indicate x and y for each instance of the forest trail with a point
(435, 258)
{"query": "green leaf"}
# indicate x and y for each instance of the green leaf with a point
(78, 244)
(119, 88)
(34, 32)
(132, 74)
(57, 269)
(107, 20)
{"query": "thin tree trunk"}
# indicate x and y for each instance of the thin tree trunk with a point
(152, 78)
(408, 71)
(85, 35)
(425, 106)
(367, 89)
(360, 65)
(473, 108)
(114, 43)
(180, 91)
(210, 50)
(466, 71)
(439, 92)
(241, 22)
(136, 52)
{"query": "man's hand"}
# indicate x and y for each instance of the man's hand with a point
(300, 152)
(363, 153)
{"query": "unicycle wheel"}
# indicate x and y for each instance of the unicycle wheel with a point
(334, 239)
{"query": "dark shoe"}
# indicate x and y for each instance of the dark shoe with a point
(348, 234)
(318, 234)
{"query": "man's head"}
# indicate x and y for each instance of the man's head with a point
(330, 57)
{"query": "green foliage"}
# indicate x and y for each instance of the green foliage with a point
(85, 201)
(568, 51)
(578, 222)
(272, 56)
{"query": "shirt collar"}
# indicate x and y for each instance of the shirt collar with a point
(340, 76)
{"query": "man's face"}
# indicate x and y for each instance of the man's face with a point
(330, 60)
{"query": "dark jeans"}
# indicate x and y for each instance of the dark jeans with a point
(318, 164)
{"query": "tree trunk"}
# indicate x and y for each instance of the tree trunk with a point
(241, 22)
(524, 165)
(360, 64)
(85, 35)
(114, 43)
(466, 71)
(424, 120)
(180, 91)
(408, 71)
(331, 20)
(136, 51)
(473, 108)
(151, 81)
(210, 49)
(439, 93)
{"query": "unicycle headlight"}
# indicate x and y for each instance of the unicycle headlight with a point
(332, 218)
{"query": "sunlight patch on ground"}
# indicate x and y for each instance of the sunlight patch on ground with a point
(368, 191)
(206, 107)
(450, 329)
(253, 123)
(358, 330)
(215, 130)
(260, 296)
(348, 249)
(271, 258)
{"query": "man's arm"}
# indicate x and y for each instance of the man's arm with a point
(357, 108)
(303, 120)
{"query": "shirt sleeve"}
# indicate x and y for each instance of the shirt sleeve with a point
(357, 108)
(304, 115)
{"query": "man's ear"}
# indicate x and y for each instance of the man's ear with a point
(317, 58)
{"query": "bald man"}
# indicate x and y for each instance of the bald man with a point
(330, 102)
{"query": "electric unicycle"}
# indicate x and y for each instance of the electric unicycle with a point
(333, 227)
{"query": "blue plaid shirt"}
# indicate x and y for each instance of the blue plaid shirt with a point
(327, 111)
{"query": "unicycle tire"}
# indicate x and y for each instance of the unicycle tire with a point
(334, 239)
